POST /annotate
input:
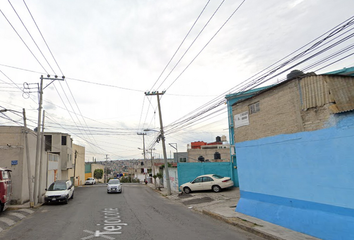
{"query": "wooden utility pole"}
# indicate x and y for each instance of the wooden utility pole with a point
(162, 136)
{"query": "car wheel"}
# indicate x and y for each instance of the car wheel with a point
(1, 208)
(72, 196)
(216, 188)
(66, 200)
(186, 190)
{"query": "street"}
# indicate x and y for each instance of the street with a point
(137, 213)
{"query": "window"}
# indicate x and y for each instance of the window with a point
(63, 140)
(254, 107)
(198, 180)
(6, 175)
(183, 160)
(207, 179)
(48, 143)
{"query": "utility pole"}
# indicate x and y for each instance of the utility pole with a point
(167, 175)
(41, 160)
(75, 167)
(40, 91)
(143, 134)
(29, 172)
(152, 166)
(106, 167)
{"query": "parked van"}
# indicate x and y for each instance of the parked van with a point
(5, 188)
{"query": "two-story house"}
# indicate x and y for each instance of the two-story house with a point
(294, 150)
(60, 144)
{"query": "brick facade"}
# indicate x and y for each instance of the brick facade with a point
(280, 111)
(208, 154)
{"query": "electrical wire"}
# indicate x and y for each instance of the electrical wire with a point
(264, 78)
(23, 41)
(43, 38)
(180, 45)
(23, 24)
(194, 40)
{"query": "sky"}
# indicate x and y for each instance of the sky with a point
(113, 51)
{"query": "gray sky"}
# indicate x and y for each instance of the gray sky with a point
(112, 51)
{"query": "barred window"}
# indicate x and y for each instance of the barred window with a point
(254, 107)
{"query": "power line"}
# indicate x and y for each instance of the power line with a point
(31, 36)
(262, 79)
(206, 44)
(181, 45)
(23, 41)
(43, 37)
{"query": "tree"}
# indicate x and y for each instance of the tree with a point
(98, 173)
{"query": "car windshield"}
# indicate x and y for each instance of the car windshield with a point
(217, 176)
(57, 186)
(114, 181)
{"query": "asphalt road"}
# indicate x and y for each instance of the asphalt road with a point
(137, 213)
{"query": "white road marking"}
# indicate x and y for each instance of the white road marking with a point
(8, 221)
(26, 210)
(19, 215)
(96, 234)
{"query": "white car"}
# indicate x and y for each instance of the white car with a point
(90, 180)
(207, 182)
(114, 185)
(59, 191)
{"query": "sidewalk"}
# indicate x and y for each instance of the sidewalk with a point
(222, 206)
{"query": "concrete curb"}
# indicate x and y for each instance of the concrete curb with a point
(242, 224)
(17, 207)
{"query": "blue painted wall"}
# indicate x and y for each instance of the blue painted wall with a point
(187, 172)
(232, 99)
(302, 181)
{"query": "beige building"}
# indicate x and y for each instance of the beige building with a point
(90, 169)
(77, 173)
(13, 155)
(300, 104)
(62, 145)
(218, 151)
(208, 153)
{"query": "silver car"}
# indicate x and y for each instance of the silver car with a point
(114, 185)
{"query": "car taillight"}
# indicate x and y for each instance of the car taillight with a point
(226, 180)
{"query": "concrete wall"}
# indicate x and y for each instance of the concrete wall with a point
(187, 172)
(173, 174)
(54, 171)
(79, 168)
(302, 181)
(180, 157)
(193, 154)
(13, 148)
(95, 166)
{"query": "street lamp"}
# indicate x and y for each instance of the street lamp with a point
(175, 149)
